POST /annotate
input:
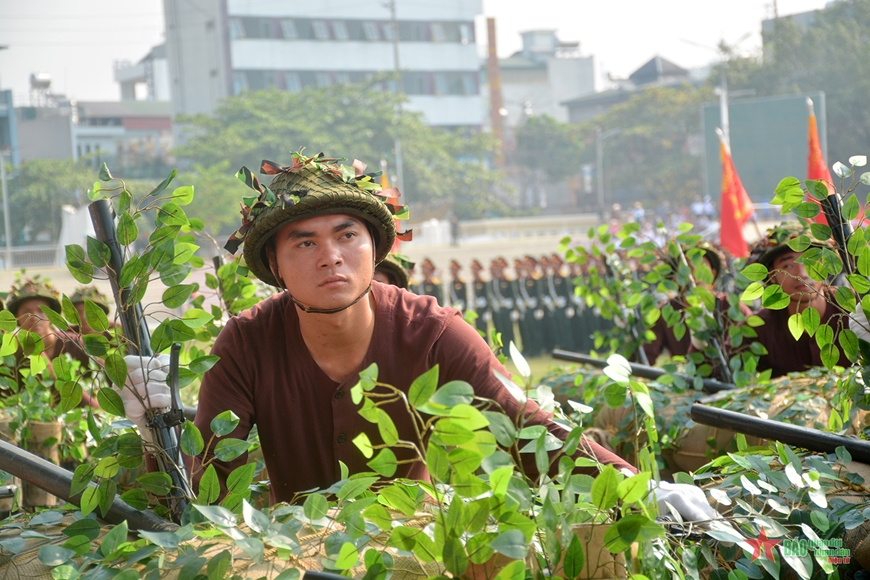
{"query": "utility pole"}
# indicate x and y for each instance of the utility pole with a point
(397, 144)
(600, 138)
(6, 229)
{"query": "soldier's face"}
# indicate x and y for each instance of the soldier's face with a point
(792, 277)
(325, 261)
(31, 318)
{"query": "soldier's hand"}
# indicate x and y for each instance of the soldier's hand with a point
(859, 325)
(146, 389)
(689, 501)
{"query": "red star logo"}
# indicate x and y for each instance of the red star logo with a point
(763, 543)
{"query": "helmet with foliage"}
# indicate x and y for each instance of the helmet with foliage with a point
(777, 240)
(91, 293)
(396, 267)
(310, 187)
(28, 288)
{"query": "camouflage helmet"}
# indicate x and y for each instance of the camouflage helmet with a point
(310, 187)
(27, 288)
(91, 293)
(396, 267)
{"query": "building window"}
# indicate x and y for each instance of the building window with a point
(466, 34)
(438, 34)
(237, 29)
(370, 30)
(339, 30)
(469, 84)
(441, 84)
(322, 79)
(413, 31)
(292, 82)
(415, 83)
(288, 28)
(321, 32)
(342, 78)
(265, 28)
(240, 82)
(388, 32)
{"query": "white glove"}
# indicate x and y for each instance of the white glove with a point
(146, 389)
(689, 501)
(859, 325)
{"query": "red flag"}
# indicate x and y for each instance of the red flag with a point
(736, 208)
(816, 168)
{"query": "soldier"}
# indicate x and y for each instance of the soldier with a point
(458, 290)
(500, 296)
(784, 354)
(289, 364)
(24, 302)
(665, 339)
(394, 270)
(430, 285)
(78, 298)
(559, 290)
(478, 298)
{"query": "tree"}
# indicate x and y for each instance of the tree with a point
(831, 55)
(38, 189)
(345, 120)
(656, 154)
(543, 143)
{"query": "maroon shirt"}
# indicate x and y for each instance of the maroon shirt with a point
(784, 354)
(665, 338)
(307, 421)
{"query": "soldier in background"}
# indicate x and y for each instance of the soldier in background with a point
(394, 270)
(559, 289)
(478, 299)
(78, 298)
(500, 296)
(430, 285)
(457, 289)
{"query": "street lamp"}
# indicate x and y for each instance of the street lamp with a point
(600, 137)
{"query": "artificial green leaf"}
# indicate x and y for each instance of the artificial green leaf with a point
(157, 482)
(384, 463)
(82, 476)
(631, 528)
(845, 298)
(177, 296)
(135, 498)
(511, 543)
(209, 486)
(110, 401)
(218, 566)
(196, 317)
(116, 369)
(501, 427)
(574, 558)
(423, 387)
(755, 272)
(364, 444)
(98, 252)
(183, 195)
(354, 487)
(192, 442)
(830, 355)
(753, 292)
(84, 527)
(774, 298)
(633, 488)
(454, 557)
(394, 496)
(203, 364)
(218, 515)
(796, 325)
(69, 311)
(604, 492)
(56, 319)
(113, 539)
(453, 393)
(224, 423)
(315, 507)
(229, 449)
(127, 230)
(437, 463)
(52, 555)
(812, 319)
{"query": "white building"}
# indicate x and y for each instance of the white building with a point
(217, 49)
(146, 80)
(537, 79)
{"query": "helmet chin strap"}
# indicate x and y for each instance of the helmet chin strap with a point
(313, 310)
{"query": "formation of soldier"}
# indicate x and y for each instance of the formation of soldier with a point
(531, 302)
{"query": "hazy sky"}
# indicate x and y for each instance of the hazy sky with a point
(76, 42)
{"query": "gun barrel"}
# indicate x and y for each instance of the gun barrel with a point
(58, 481)
(794, 435)
(647, 372)
(133, 323)
(164, 431)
